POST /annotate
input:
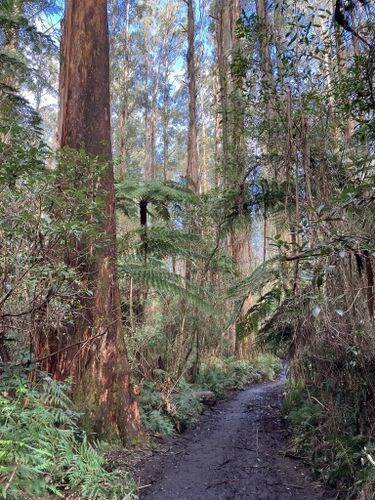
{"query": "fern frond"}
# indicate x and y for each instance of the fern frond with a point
(164, 241)
(264, 275)
(261, 312)
(155, 275)
(154, 191)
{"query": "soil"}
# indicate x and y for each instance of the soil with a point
(237, 451)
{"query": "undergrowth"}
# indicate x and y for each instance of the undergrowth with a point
(166, 406)
(42, 450)
(343, 458)
(221, 376)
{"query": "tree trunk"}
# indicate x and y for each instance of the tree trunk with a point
(192, 172)
(10, 80)
(232, 138)
(265, 56)
(166, 118)
(125, 97)
(99, 364)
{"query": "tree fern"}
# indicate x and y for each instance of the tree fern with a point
(131, 192)
(261, 312)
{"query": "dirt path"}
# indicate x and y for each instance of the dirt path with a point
(234, 453)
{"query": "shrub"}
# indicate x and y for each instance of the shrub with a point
(221, 376)
(42, 449)
(341, 458)
(163, 411)
(166, 407)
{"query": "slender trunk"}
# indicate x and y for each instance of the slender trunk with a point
(166, 118)
(265, 56)
(192, 172)
(125, 96)
(232, 140)
(204, 184)
(147, 148)
(152, 125)
(10, 79)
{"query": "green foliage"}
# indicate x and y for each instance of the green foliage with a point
(167, 406)
(42, 449)
(185, 405)
(342, 458)
(221, 376)
(157, 422)
(155, 274)
(163, 410)
(303, 414)
(21, 42)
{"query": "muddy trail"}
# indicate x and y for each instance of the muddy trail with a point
(235, 452)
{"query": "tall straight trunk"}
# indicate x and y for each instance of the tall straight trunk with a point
(151, 115)
(265, 56)
(340, 46)
(222, 96)
(166, 118)
(98, 364)
(147, 147)
(217, 126)
(204, 183)
(192, 172)
(10, 80)
(232, 140)
(125, 96)
(152, 131)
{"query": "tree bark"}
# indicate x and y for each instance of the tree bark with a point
(232, 140)
(99, 364)
(125, 96)
(166, 118)
(192, 172)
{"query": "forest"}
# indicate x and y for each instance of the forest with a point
(187, 249)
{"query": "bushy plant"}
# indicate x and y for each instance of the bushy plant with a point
(42, 450)
(220, 376)
(166, 406)
(186, 407)
(344, 460)
(164, 409)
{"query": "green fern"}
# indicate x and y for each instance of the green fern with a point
(154, 274)
(161, 196)
(41, 448)
(261, 312)
(263, 276)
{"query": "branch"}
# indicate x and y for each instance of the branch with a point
(343, 22)
(301, 256)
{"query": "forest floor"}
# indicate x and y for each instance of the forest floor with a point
(235, 452)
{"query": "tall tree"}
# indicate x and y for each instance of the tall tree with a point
(99, 362)
(124, 112)
(264, 53)
(192, 171)
(233, 151)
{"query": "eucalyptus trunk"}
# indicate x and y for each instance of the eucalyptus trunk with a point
(192, 172)
(97, 360)
(233, 151)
